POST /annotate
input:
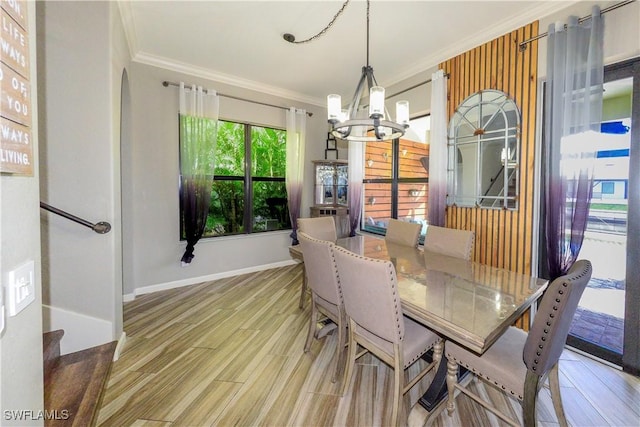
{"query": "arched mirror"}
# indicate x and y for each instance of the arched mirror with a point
(484, 152)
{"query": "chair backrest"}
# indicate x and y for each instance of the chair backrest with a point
(370, 292)
(322, 228)
(320, 267)
(449, 241)
(403, 233)
(553, 319)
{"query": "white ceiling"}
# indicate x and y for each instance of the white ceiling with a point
(240, 42)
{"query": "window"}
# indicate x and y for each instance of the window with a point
(608, 187)
(248, 194)
(396, 179)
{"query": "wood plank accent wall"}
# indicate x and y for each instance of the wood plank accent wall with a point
(503, 237)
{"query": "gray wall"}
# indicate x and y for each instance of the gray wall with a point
(155, 225)
(419, 97)
(21, 340)
(82, 52)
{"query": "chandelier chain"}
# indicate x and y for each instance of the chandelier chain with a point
(367, 33)
(325, 29)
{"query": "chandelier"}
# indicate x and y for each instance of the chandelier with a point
(352, 124)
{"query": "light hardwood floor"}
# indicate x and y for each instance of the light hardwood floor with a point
(230, 352)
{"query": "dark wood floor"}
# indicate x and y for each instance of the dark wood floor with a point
(230, 352)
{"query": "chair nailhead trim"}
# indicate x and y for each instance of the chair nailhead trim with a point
(549, 323)
(395, 301)
(424, 350)
(475, 371)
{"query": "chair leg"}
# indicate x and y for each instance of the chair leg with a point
(351, 360)
(452, 379)
(556, 398)
(339, 356)
(437, 352)
(398, 385)
(313, 326)
(530, 397)
(303, 289)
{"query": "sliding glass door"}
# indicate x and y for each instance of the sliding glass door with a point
(607, 320)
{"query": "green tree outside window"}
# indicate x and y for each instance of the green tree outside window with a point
(253, 199)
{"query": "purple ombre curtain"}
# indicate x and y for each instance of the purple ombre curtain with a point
(296, 134)
(437, 172)
(572, 116)
(198, 137)
(356, 174)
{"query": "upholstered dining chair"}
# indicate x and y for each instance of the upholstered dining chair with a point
(376, 322)
(326, 295)
(449, 241)
(403, 233)
(518, 363)
(322, 228)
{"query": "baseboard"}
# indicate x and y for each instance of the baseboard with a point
(195, 280)
(80, 331)
(120, 346)
(593, 356)
(128, 297)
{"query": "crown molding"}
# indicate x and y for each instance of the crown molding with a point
(205, 73)
(126, 14)
(537, 12)
(540, 11)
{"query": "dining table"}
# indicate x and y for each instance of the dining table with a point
(463, 301)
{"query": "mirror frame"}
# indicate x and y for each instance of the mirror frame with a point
(486, 122)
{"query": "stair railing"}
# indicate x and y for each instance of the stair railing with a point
(101, 227)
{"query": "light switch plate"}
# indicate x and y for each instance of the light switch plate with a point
(21, 288)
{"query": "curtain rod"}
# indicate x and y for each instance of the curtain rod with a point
(167, 83)
(410, 87)
(523, 45)
(413, 87)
